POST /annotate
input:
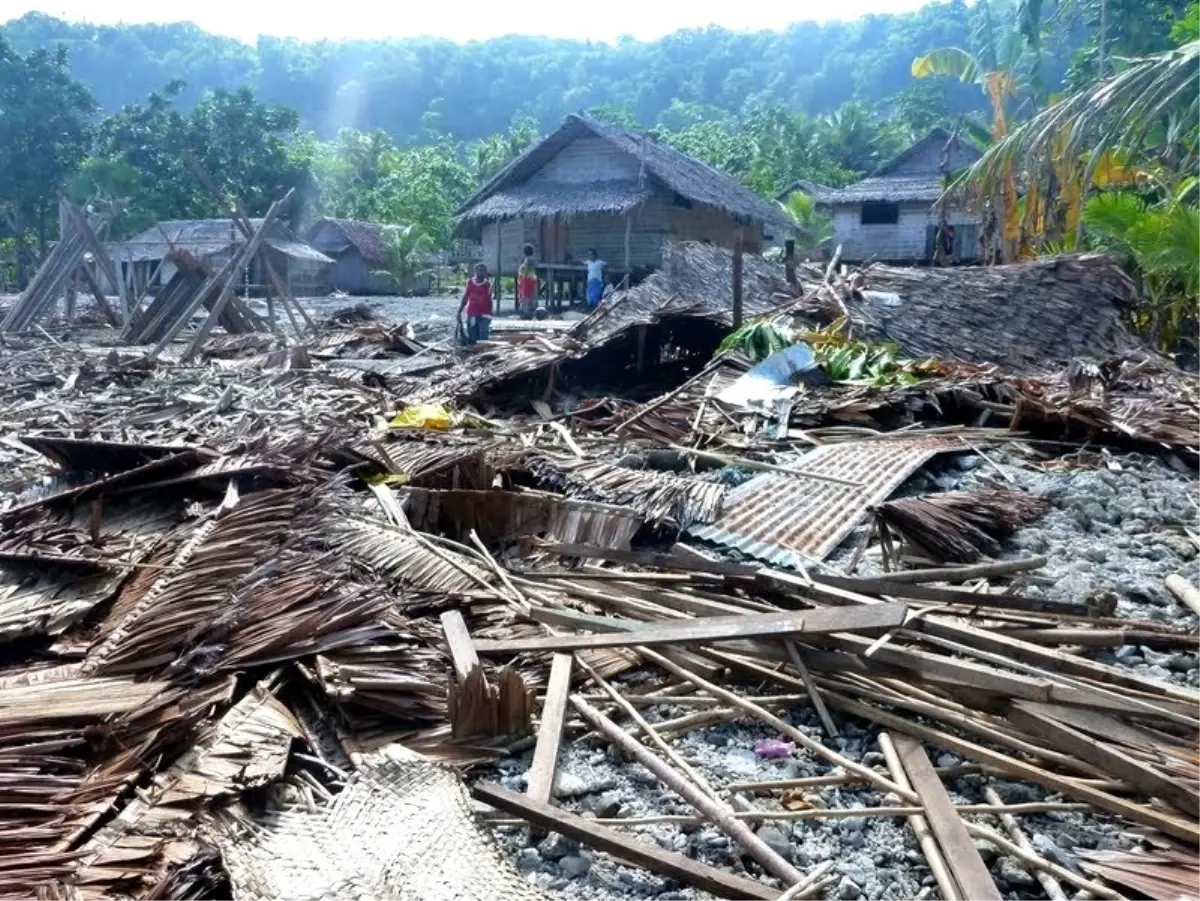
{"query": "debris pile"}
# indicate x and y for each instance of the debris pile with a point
(337, 615)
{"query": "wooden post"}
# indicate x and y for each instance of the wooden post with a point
(628, 236)
(789, 260)
(738, 241)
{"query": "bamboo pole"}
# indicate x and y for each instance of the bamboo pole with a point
(920, 826)
(1053, 890)
(729, 824)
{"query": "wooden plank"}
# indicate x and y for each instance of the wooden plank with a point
(702, 630)
(1039, 720)
(640, 853)
(462, 648)
(554, 713)
(937, 595)
(1048, 658)
(959, 852)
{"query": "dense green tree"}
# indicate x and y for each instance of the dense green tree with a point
(141, 163)
(45, 130)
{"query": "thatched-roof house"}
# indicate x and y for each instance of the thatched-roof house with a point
(145, 259)
(590, 185)
(889, 216)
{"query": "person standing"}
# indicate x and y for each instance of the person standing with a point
(595, 279)
(477, 301)
(527, 285)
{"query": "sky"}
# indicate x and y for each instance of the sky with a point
(599, 20)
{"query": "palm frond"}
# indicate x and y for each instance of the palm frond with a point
(1118, 112)
(1114, 217)
(952, 61)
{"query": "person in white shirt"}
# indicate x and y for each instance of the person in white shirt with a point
(595, 279)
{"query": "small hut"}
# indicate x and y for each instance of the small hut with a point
(145, 259)
(591, 186)
(359, 251)
(890, 216)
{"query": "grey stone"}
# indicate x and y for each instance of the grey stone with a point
(1011, 871)
(574, 866)
(608, 805)
(568, 785)
(847, 889)
(528, 860)
(775, 839)
(852, 825)
(741, 761)
(555, 846)
(1182, 663)
(986, 850)
(1125, 651)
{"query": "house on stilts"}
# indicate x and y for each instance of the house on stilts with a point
(592, 186)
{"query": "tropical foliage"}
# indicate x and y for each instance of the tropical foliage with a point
(408, 250)
(812, 227)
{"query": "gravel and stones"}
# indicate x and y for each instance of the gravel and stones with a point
(1116, 531)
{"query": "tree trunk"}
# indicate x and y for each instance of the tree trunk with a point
(18, 227)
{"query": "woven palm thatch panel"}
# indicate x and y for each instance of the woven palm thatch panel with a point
(401, 829)
(151, 836)
(507, 515)
(659, 496)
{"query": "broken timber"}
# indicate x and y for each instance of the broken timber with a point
(868, 619)
(639, 853)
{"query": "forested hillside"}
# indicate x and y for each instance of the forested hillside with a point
(413, 87)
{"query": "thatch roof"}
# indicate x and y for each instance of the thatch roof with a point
(912, 176)
(548, 198)
(366, 237)
(695, 280)
(205, 238)
(813, 189)
(507, 195)
(1024, 317)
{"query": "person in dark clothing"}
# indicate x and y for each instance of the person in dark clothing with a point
(944, 251)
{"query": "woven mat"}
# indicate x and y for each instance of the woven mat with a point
(401, 829)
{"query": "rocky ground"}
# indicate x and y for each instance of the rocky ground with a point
(1116, 529)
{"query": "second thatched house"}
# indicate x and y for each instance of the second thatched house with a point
(589, 185)
(890, 217)
(144, 260)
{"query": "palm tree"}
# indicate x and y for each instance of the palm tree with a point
(1087, 139)
(409, 250)
(1138, 104)
(811, 227)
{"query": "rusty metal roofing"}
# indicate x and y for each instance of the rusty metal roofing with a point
(781, 519)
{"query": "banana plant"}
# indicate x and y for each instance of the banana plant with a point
(997, 78)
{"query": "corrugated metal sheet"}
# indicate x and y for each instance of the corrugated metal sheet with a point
(777, 518)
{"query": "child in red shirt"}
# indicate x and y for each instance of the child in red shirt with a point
(477, 301)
